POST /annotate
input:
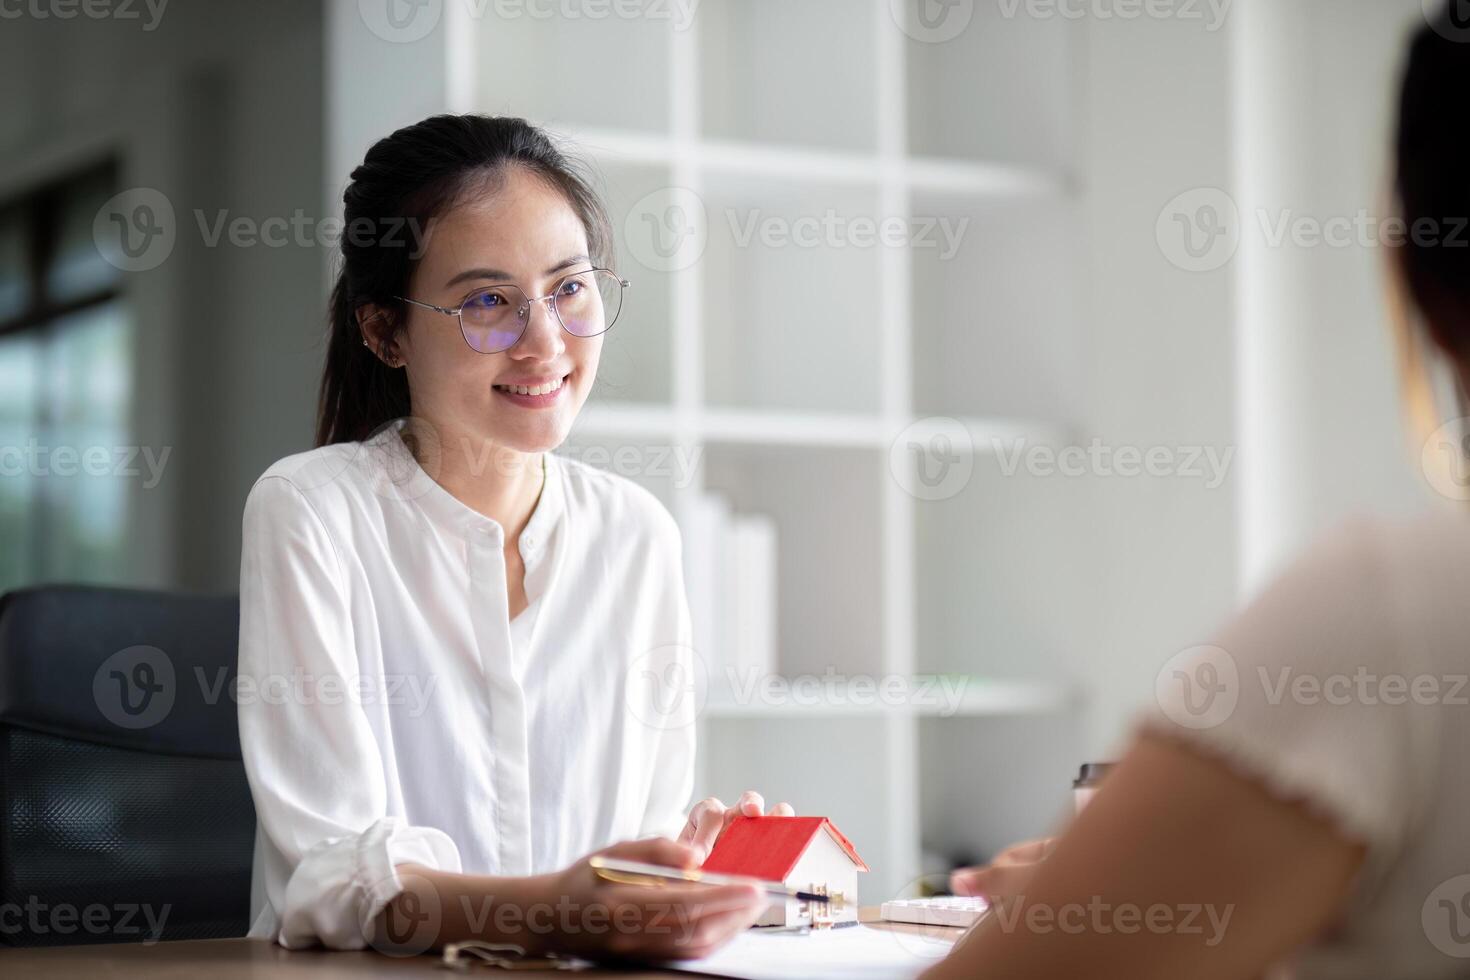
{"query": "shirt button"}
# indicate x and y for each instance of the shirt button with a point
(530, 543)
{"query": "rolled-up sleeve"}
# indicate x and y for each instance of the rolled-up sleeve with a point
(314, 765)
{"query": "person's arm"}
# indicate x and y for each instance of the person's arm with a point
(1246, 801)
(1233, 877)
(313, 763)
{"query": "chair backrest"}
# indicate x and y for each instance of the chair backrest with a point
(125, 814)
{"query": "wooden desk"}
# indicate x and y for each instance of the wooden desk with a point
(238, 959)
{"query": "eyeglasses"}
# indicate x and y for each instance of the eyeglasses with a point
(494, 318)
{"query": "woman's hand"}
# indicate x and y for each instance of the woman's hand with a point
(710, 817)
(1005, 877)
(674, 921)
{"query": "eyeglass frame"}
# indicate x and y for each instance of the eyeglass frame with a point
(549, 299)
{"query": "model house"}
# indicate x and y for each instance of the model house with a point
(808, 854)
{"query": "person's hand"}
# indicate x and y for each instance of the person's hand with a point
(1005, 877)
(710, 817)
(601, 919)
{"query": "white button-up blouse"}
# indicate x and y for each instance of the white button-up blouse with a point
(390, 712)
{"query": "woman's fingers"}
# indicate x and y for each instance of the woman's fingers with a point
(684, 921)
(783, 810)
(686, 836)
(751, 804)
(993, 882)
(1027, 852)
(707, 826)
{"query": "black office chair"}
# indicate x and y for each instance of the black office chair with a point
(126, 813)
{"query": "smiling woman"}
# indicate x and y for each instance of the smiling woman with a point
(433, 536)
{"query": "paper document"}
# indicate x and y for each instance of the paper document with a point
(854, 953)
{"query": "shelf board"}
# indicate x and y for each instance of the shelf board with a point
(754, 159)
(965, 697)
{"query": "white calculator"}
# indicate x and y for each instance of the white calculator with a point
(949, 910)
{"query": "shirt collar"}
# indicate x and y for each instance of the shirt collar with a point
(395, 474)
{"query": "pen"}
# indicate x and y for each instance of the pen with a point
(638, 873)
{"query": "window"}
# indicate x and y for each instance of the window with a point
(65, 389)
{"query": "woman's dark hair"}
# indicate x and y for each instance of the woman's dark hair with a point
(1433, 178)
(406, 181)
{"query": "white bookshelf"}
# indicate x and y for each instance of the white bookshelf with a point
(788, 372)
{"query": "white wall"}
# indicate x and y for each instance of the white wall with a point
(1316, 86)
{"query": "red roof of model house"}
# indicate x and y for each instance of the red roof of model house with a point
(769, 847)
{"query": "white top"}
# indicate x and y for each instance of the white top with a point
(1345, 687)
(391, 713)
